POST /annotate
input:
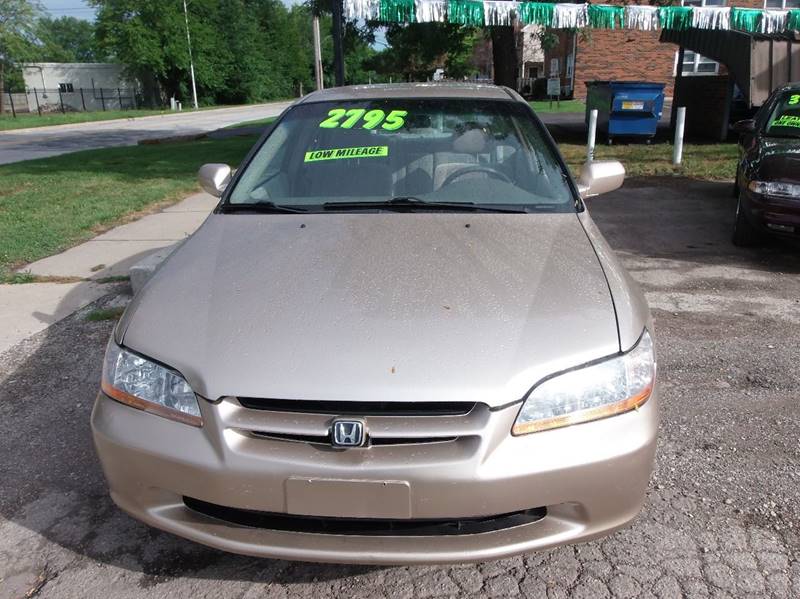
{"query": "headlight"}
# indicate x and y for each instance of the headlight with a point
(591, 392)
(773, 188)
(143, 384)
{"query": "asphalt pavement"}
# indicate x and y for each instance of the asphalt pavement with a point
(27, 144)
(722, 515)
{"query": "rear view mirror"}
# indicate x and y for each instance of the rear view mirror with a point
(600, 177)
(744, 127)
(214, 178)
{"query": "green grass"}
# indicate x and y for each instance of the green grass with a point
(563, 106)
(51, 204)
(23, 121)
(26, 277)
(16, 278)
(99, 314)
(700, 161)
(256, 123)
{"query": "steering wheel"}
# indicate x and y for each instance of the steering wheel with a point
(478, 168)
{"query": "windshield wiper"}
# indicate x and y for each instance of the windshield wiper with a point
(260, 207)
(410, 202)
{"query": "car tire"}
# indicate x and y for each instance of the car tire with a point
(744, 233)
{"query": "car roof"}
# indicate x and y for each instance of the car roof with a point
(788, 87)
(472, 91)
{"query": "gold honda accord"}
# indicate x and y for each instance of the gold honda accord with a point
(399, 338)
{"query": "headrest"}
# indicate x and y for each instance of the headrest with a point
(472, 141)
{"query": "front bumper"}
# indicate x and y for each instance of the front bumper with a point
(591, 478)
(775, 215)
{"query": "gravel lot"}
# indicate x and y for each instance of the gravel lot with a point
(723, 512)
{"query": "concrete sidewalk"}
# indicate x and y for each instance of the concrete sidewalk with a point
(29, 308)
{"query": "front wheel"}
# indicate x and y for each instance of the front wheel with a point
(744, 233)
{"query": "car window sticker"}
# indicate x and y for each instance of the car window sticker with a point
(786, 120)
(342, 118)
(344, 153)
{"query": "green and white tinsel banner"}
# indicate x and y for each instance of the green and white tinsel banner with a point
(570, 16)
(431, 11)
(498, 12)
(478, 13)
(793, 22)
(711, 17)
(642, 17)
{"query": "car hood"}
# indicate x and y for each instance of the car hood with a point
(779, 160)
(388, 306)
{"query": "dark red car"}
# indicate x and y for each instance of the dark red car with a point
(768, 175)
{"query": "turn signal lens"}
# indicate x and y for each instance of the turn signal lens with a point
(607, 388)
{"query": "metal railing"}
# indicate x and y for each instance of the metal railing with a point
(47, 101)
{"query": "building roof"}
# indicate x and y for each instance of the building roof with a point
(412, 90)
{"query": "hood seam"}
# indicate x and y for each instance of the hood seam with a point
(605, 277)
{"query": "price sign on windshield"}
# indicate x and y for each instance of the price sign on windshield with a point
(342, 118)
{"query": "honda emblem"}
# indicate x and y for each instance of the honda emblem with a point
(347, 433)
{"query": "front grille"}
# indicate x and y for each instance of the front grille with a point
(360, 408)
(326, 439)
(387, 423)
(364, 526)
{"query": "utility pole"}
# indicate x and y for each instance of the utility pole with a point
(2, 83)
(191, 60)
(338, 51)
(317, 53)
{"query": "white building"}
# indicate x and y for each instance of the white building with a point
(71, 86)
(530, 54)
(86, 75)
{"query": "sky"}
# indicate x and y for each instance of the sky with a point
(79, 8)
(69, 8)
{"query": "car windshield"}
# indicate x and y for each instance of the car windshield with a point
(785, 118)
(480, 153)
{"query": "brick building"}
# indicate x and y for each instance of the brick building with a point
(623, 54)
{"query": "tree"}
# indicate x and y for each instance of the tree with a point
(417, 50)
(149, 37)
(67, 39)
(504, 55)
(17, 22)
(244, 50)
(288, 51)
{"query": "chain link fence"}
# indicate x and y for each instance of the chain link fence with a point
(67, 99)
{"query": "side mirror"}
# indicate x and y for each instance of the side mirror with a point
(214, 178)
(600, 177)
(744, 127)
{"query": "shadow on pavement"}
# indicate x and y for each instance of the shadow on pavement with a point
(678, 218)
